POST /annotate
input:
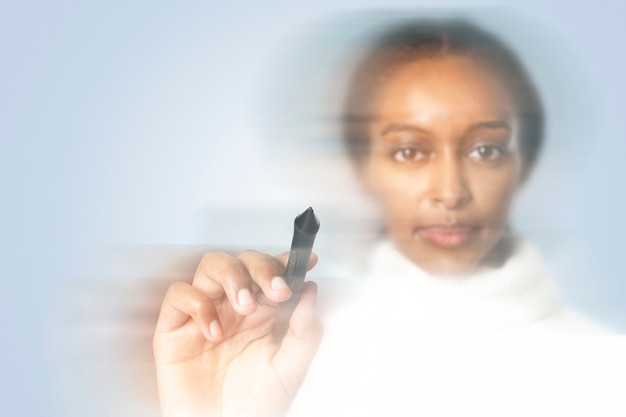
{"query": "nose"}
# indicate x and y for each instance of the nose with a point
(449, 188)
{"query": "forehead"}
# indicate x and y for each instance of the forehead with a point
(442, 88)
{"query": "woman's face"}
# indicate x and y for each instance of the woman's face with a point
(444, 161)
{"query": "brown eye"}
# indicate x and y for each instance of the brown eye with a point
(486, 153)
(407, 155)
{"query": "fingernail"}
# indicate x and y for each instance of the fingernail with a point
(244, 297)
(215, 329)
(278, 283)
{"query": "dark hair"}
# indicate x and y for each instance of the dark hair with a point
(417, 39)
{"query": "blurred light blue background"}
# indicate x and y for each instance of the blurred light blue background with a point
(131, 122)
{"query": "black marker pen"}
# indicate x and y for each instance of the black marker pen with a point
(305, 229)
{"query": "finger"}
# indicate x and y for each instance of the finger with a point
(181, 302)
(284, 257)
(220, 273)
(266, 271)
(302, 339)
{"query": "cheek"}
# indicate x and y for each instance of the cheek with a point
(493, 191)
(397, 190)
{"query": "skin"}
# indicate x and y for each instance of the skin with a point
(444, 153)
(216, 347)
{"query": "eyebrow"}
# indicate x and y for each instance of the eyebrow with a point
(494, 124)
(401, 127)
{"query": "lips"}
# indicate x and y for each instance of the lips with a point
(447, 236)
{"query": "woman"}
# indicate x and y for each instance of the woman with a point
(444, 126)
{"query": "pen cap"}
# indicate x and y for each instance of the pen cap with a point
(305, 229)
(307, 222)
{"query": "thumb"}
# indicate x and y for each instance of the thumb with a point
(300, 343)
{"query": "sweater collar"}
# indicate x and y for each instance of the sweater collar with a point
(515, 294)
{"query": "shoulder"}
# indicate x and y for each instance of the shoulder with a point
(569, 321)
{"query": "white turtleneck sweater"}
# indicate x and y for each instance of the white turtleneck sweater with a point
(497, 343)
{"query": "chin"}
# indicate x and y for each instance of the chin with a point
(451, 263)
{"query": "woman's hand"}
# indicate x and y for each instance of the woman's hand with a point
(226, 346)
